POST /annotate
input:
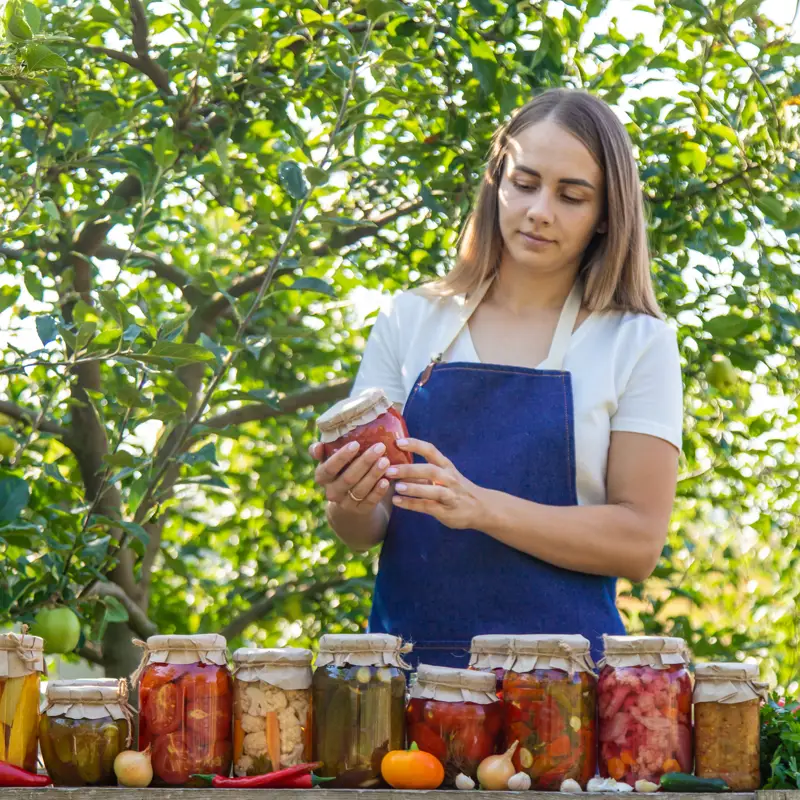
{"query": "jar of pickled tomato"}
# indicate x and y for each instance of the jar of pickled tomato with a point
(21, 669)
(367, 418)
(358, 702)
(455, 715)
(85, 725)
(491, 653)
(186, 707)
(727, 705)
(645, 708)
(550, 708)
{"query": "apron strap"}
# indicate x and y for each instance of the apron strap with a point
(561, 337)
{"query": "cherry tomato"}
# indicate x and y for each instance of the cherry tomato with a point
(428, 740)
(210, 716)
(171, 758)
(162, 709)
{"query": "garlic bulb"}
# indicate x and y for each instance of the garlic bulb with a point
(520, 782)
(464, 782)
(646, 786)
(622, 787)
(571, 786)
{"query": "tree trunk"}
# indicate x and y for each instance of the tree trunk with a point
(120, 655)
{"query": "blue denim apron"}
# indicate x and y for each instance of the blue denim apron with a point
(505, 428)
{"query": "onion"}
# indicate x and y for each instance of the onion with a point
(494, 772)
(133, 768)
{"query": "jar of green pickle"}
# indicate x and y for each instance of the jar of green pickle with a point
(358, 701)
(85, 725)
(21, 668)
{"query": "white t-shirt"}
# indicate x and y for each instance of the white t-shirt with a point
(625, 368)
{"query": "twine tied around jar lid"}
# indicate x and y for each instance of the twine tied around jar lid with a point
(286, 668)
(728, 683)
(351, 412)
(491, 651)
(454, 685)
(362, 650)
(570, 653)
(21, 654)
(90, 699)
(199, 648)
(658, 652)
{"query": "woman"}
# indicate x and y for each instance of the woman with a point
(543, 394)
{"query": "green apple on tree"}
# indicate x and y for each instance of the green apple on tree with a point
(59, 627)
(722, 374)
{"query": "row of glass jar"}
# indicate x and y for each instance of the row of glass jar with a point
(544, 694)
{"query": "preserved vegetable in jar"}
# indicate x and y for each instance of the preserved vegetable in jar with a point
(271, 709)
(455, 715)
(367, 418)
(645, 708)
(185, 707)
(21, 668)
(550, 707)
(727, 700)
(491, 653)
(85, 725)
(358, 703)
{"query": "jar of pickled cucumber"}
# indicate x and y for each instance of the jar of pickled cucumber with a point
(84, 726)
(491, 653)
(358, 700)
(21, 668)
(271, 709)
(550, 708)
(727, 703)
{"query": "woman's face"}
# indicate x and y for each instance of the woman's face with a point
(550, 199)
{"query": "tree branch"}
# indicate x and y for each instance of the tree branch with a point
(29, 417)
(94, 233)
(138, 621)
(289, 404)
(704, 187)
(159, 267)
(91, 654)
(263, 607)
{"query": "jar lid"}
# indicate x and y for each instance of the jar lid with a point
(362, 650)
(568, 652)
(347, 414)
(728, 683)
(198, 648)
(490, 651)
(659, 652)
(20, 655)
(286, 668)
(454, 685)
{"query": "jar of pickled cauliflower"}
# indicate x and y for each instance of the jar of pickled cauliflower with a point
(727, 703)
(644, 697)
(21, 669)
(367, 418)
(359, 696)
(271, 709)
(455, 715)
(185, 707)
(550, 708)
(85, 725)
(491, 653)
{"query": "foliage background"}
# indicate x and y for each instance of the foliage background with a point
(161, 164)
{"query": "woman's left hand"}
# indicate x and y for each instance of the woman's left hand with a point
(436, 488)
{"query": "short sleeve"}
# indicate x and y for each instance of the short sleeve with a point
(381, 364)
(652, 400)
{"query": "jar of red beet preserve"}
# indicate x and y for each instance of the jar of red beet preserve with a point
(367, 418)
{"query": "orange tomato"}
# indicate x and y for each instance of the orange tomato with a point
(671, 765)
(616, 768)
(412, 769)
(627, 758)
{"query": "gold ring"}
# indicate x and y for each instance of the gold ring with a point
(357, 499)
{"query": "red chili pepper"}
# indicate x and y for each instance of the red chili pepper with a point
(275, 780)
(14, 776)
(309, 781)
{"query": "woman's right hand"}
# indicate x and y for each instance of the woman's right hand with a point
(353, 480)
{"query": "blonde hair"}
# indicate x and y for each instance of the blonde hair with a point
(616, 265)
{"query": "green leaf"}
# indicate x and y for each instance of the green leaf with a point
(376, 9)
(747, 9)
(484, 7)
(730, 326)
(51, 209)
(771, 207)
(316, 176)
(194, 7)
(122, 458)
(292, 179)
(112, 304)
(135, 530)
(14, 494)
(181, 352)
(311, 284)
(33, 17)
(100, 14)
(224, 16)
(86, 332)
(115, 611)
(218, 350)
(164, 150)
(18, 27)
(8, 296)
(47, 328)
(207, 454)
(37, 57)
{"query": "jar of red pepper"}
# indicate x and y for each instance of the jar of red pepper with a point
(491, 653)
(185, 706)
(645, 708)
(455, 715)
(550, 705)
(367, 418)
